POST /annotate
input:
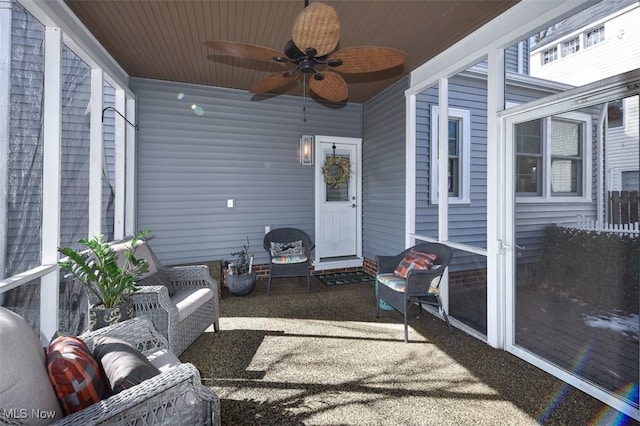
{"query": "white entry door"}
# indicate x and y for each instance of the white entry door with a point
(337, 200)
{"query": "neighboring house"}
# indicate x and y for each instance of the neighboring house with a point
(600, 42)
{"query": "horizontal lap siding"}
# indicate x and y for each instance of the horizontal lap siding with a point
(190, 161)
(24, 203)
(383, 152)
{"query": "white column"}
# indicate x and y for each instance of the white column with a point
(95, 154)
(52, 136)
(410, 175)
(130, 170)
(496, 203)
(5, 82)
(120, 147)
(443, 177)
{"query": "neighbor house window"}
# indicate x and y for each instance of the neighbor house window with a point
(615, 114)
(630, 180)
(552, 156)
(549, 55)
(458, 175)
(570, 47)
(566, 157)
(593, 37)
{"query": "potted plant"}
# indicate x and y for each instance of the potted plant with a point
(108, 281)
(241, 280)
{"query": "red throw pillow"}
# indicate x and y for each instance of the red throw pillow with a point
(414, 260)
(76, 376)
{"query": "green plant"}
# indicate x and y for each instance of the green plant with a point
(97, 268)
(242, 262)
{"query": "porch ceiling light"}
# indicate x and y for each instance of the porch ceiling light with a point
(306, 150)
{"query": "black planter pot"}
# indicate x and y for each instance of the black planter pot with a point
(241, 285)
(100, 317)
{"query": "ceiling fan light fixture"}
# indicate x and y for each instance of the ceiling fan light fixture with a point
(314, 36)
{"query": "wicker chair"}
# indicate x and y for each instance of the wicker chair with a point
(174, 397)
(420, 285)
(283, 266)
(163, 294)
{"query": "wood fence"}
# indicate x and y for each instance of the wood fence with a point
(622, 207)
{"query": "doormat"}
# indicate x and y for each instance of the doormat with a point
(340, 278)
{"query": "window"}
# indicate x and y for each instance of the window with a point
(549, 55)
(529, 157)
(570, 46)
(593, 37)
(566, 157)
(630, 180)
(459, 155)
(615, 114)
(551, 157)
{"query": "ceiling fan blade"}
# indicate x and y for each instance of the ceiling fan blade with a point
(317, 27)
(367, 59)
(332, 88)
(273, 81)
(243, 50)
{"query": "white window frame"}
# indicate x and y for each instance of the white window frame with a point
(622, 127)
(600, 39)
(464, 155)
(570, 46)
(587, 167)
(550, 55)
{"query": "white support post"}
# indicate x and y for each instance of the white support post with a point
(410, 166)
(496, 256)
(52, 142)
(96, 154)
(130, 167)
(5, 85)
(443, 176)
(120, 146)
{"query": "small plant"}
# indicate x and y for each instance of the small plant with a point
(243, 262)
(98, 270)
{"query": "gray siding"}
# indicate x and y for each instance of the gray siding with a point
(24, 192)
(199, 146)
(467, 222)
(383, 176)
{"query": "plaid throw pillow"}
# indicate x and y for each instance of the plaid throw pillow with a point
(414, 260)
(76, 376)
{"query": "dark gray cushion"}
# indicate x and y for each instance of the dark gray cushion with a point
(159, 278)
(123, 364)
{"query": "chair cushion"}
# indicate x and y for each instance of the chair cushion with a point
(76, 376)
(163, 359)
(24, 383)
(123, 364)
(284, 260)
(414, 260)
(392, 281)
(287, 249)
(155, 275)
(189, 300)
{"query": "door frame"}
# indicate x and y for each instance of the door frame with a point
(356, 261)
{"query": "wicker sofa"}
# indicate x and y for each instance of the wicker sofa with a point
(175, 396)
(181, 301)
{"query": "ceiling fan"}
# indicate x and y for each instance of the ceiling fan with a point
(314, 36)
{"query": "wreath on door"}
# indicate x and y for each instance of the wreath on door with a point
(336, 170)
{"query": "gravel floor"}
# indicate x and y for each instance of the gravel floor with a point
(323, 358)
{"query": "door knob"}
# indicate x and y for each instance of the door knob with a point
(353, 205)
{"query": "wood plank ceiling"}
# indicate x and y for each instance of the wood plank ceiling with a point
(163, 39)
